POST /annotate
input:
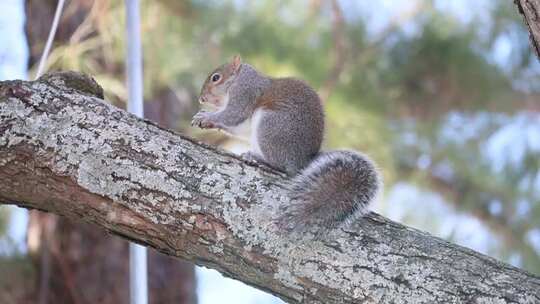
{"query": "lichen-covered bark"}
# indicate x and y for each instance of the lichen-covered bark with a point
(530, 10)
(65, 151)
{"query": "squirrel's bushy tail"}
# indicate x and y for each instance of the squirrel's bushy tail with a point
(335, 187)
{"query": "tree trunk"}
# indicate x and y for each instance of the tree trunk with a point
(78, 264)
(65, 151)
(56, 243)
(530, 10)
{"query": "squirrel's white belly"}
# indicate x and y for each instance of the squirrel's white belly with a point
(242, 131)
(255, 122)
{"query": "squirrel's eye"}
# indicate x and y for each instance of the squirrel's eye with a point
(216, 77)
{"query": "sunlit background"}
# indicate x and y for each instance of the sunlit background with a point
(444, 95)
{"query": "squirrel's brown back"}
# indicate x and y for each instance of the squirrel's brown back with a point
(289, 92)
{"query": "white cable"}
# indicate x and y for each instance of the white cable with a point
(134, 61)
(50, 39)
(138, 276)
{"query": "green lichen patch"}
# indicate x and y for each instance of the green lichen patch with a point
(77, 81)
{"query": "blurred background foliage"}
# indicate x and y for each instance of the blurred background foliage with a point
(443, 95)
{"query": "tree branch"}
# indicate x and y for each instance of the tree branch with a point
(456, 191)
(65, 151)
(530, 10)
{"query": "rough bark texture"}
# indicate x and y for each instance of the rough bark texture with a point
(530, 10)
(77, 263)
(65, 151)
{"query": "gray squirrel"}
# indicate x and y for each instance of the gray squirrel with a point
(287, 126)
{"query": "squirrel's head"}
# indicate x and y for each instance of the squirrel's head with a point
(215, 89)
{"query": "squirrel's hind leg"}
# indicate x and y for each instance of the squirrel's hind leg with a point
(257, 159)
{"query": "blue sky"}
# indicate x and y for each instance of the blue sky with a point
(13, 48)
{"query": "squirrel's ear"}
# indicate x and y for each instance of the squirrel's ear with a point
(236, 62)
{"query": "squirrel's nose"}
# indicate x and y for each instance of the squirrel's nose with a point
(202, 99)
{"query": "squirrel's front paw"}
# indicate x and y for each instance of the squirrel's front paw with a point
(203, 120)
